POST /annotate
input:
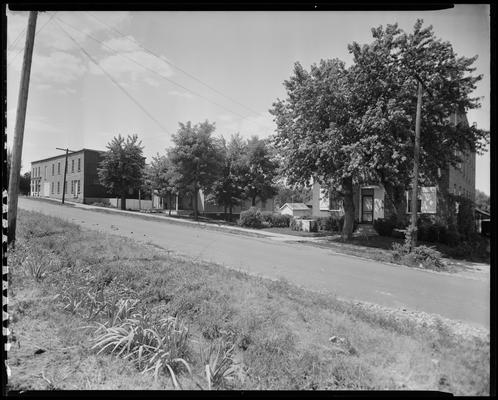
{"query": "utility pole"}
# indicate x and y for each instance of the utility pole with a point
(15, 168)
(65, 173)
(416, 156)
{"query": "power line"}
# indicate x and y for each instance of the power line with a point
(151, 70)
(37, 32)
(16, 39)
(112, 79)
(173, 65)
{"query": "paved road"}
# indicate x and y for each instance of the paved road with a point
(453, 297)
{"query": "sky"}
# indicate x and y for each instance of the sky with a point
(144, 72)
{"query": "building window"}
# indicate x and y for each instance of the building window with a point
(58, 168)
(79, 187)
(72, 186)
(52, 187)
(45, 173)
(72, 166)
(53, 166)
(58, 187)
(79, 164)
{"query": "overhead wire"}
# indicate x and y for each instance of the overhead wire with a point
(129, 95)
(152, 70)
(131, 39)
(16, 39)
(36, 33)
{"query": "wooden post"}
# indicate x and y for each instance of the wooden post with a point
(416, 154)
(65, 174)
(22, 101)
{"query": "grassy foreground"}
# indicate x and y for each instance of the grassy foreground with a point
(95, 311)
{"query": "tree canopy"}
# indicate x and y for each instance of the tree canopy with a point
(163, 177)
(121, 169)
(343, 126)
(228, 189)
(259, 169)
(196, 157)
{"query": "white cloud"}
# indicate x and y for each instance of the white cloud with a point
(58, 67)
(123, 69)
(261, 125)
(126, 43)
(34, 124)
(187, 95)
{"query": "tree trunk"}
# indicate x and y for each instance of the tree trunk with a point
(196, 213)
(230, 213)
(225, 212)
(347, 229)
(123, 202)
(169, 205)
(253, 203)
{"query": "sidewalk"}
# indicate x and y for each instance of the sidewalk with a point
(270, 235)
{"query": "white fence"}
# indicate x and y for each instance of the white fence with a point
(132, 204)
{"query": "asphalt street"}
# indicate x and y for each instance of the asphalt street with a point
(451, 296)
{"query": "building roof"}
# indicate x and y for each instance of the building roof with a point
(295, 206)
(478, 210)
(63, 155)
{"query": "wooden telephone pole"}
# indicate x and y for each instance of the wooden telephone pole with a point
(416, 161)
(65, 173)
(15, 168)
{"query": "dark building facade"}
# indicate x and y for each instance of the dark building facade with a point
(82, 182)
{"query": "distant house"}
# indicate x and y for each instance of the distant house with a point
(82, 182)
(183, 203)
(433, 201)
(295, 210)
(482, 219)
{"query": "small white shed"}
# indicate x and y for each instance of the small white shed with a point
(295, 210)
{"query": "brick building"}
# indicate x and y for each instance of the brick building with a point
(82, 183)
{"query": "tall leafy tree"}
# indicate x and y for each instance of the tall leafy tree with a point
(25, 183)
(482, 201)
(121, 170)
(351, 126)
(196, 158)
(315, 134)
(260, 170)
(386, 74)
(228, 189)
(163, 178)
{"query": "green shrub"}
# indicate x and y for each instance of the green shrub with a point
(465, 218)
(267, 216)
(424, 256)
(384, 227)
(330, 223)
(277, 220)
(427, 256)
(252, 218)
(451, 237)
(432, 232)
(280, 220)
(294, 224)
